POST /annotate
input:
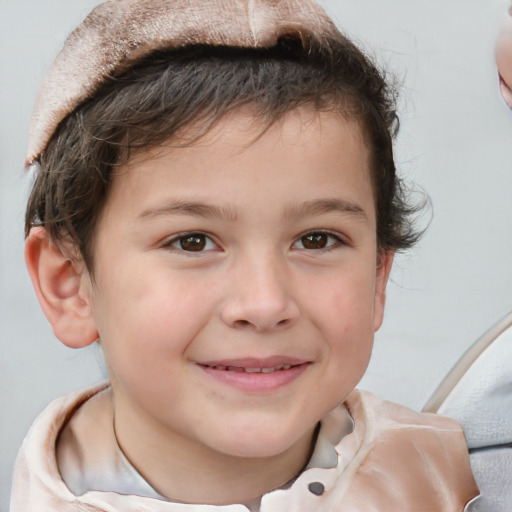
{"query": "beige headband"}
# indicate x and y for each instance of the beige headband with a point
(118, 33)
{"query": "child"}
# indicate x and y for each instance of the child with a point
(216, 203)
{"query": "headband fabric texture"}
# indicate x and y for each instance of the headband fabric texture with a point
(118, 33)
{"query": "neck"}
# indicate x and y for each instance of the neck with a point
(185, 471)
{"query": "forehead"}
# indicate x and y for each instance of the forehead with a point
(251, 123)
(244, 129)
(304, 154)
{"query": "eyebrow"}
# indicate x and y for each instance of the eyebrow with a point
(324, 206)
(189, 208)
(199, 209)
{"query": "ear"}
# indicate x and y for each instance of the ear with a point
(63, 289)
(383, 269)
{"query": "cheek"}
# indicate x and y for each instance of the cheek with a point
(354, 295)
(350, 339)
(345, 311)
(150, 316)
(146, 337)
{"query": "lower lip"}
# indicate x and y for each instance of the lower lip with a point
(256, 382)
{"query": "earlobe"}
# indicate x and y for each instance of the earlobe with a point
(62, 289)
(383, 269)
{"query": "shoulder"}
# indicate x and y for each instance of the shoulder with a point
(48, 426)
(394, 459)
(383, 414)
(37, 479)
(87, 442)
(408, 456)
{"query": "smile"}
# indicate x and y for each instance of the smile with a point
(252, 370)
(256, 375)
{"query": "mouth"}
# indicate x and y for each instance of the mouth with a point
(243, 369)
(256, 375)
(255, 365)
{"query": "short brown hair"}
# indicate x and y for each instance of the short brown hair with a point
(170, 90)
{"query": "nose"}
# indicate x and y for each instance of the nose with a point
(260, 297)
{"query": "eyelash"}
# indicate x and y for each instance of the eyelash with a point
(333, 241)
(179, 239)
(336, 240)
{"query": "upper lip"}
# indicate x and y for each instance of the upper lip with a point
(252, 362)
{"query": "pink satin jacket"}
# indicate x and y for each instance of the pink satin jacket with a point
(394, 460)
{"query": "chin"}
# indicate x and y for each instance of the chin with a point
(257, 443)
(259, 447)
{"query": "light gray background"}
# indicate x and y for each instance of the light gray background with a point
(456, 143)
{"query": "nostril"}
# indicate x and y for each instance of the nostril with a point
(242, 323)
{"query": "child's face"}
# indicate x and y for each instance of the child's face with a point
(232, 255)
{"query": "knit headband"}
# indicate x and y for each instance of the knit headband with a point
(118, 33)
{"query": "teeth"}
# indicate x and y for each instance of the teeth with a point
(235, 369)
(252, 370)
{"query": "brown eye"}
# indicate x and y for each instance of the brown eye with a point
(191, 242)
(318, 240)
(315, 240)
(194, 243)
